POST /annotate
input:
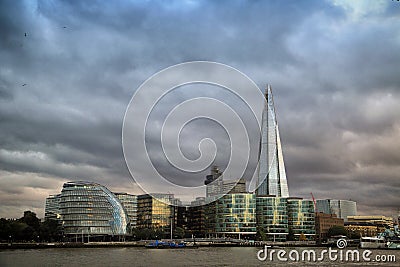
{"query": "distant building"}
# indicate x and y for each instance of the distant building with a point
(213, 183)
(155, 212)
(272, 217)
(362, 229)
(233, 215)
(301, 218)
(90, 209)
(197, 217)
(374, 219)
(234, 187)
(52, 208)
(217, 187)
(130, 204)
(342, 208)
(368, 225)
(323, 222)
(271, 167)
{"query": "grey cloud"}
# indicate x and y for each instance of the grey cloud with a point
(335, 82)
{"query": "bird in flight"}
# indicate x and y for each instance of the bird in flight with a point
(24, 84)
(25, 34)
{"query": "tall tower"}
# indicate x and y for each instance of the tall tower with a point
(214, 183)
(271, 167)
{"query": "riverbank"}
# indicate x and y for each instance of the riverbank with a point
(143, 243)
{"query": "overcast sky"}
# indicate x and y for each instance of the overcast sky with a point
(69, 69)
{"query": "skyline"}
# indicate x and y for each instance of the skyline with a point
(69, 70)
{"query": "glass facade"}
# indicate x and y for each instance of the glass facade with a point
(342, 208)
(89, 208)
(271, 168)
(301, 218)
(52, 207)
(272, 217)
(130, 204)
(155, 212)
(232, 215)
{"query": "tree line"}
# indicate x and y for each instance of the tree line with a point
(29, 228)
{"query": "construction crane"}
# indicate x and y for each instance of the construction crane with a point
(315, 203)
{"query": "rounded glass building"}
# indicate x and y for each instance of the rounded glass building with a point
(91, 209)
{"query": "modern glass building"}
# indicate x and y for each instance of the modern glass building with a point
(155, 212)
(271, 167)
(196, 217)
(130, 204)
(214, 183)
(301, 218)
(233, 215)
(91, 209)
(272, 217)
(342, 208)
(52, 208)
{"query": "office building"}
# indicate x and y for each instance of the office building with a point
(197, 217)
(323, 222)
(380, 221)
(216, 186)
(342, 208)
(271, 166)
(90, 209)
(233, 215)
(52, 208)
(130, 204)
(301, 219)
(361, 229)
(234, 187)
(155, 212)
(272, 218)
(213, 184)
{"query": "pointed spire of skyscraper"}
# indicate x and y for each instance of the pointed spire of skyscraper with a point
(271, 167)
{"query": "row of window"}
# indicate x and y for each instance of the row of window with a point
(87, 223)
(86, 204)
(93, 230)
(65, 211)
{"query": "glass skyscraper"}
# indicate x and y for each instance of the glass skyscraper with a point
(271, 167)
(342, 208)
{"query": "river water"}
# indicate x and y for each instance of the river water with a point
(205, 256)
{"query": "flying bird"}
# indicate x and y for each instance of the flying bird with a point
(64, 27)
(24, 84)
(25, 34)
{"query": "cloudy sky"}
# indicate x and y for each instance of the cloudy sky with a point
(69, 69)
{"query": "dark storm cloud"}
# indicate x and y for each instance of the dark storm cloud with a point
(333, 67)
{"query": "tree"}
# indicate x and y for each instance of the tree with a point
(302, 237)
(31, 220)
(337, 230)
(28, 228)
(180, 232)
(50, 230)
(290, 236)
(261, 233)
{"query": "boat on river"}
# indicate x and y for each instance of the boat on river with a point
(372, 242)
(170, 244)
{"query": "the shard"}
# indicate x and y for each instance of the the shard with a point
(271, 167)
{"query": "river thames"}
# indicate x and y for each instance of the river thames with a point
(204, 256)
